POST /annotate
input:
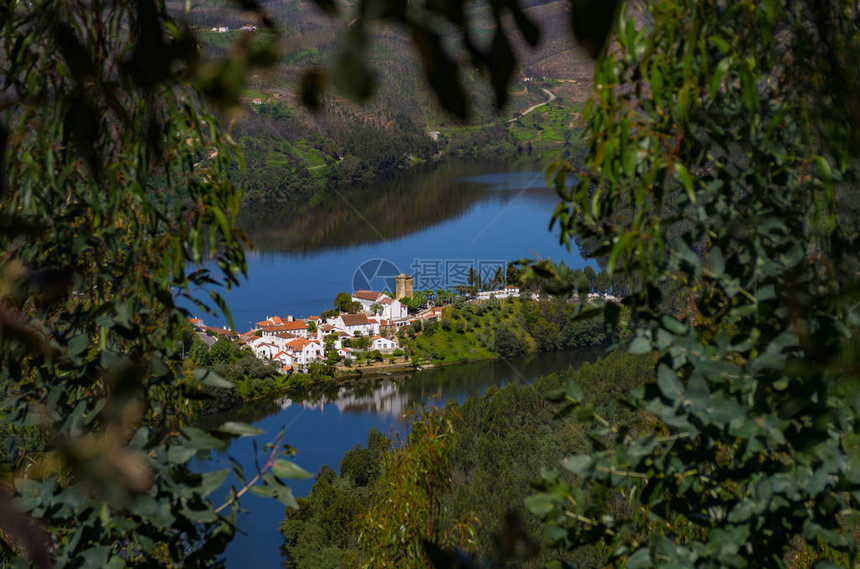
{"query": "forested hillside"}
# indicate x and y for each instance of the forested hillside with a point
(484, 455)
(293, 154)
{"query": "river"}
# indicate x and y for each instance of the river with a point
(323, 426)
(432, 222)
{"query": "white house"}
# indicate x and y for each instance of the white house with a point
(304, 351)
(286, 359)
(357, 325)
(264, 348)
(507, 292)
(383, 344)
(391, 308)
(344, 352)
(296, 327)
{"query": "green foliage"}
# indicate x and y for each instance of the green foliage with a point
(503, 438)
(503, 328)
(199, 353)
(320, 370)
(252, 377)
(343, 301)
(223, 351)
(507, 343)
(404, 503)
(319, 533)
(359, 342)
(116, 190)
(727, 130)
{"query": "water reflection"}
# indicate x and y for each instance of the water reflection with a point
(396, 395)
(325, 422)
(405, 203)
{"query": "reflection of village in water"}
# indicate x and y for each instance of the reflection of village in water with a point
(385, 399)
(401, 394)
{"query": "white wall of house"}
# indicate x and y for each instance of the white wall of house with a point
(391, 307)
(370, 328)
(383, 344)
(395, 310)
(305, 352)
(286, 359)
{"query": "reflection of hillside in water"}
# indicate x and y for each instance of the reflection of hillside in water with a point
(409, 202)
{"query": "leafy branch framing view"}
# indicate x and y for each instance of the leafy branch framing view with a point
(722, 142)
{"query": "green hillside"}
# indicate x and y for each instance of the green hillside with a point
(292, 153)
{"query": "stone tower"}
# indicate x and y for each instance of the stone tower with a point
(404, 287)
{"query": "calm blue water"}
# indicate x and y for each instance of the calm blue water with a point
(508, 220)
(324, 426)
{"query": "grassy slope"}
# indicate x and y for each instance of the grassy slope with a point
(471, 332)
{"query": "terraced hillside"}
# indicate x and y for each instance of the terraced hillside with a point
(292, 153)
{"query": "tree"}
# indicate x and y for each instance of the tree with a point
(507, 343)
(115, 190)
(405, 500)
(343, 301)
(498, 279)
(199, 353)
(512, 275)
(222, 352)
(473, 280)
(721, 137)
(375, 308)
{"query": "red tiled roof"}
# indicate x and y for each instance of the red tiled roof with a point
(286, 335)
(386, 300)
(367, 295)
(271, 321)
(354, 319)
(221, 331)
(287, 327)
(300, 344)
(313, 317)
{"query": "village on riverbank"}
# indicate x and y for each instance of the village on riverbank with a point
(371, 325)
(385, 329)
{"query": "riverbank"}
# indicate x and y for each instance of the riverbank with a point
(300, 171)
(324, 423)
(369, 375)
(470, 332)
